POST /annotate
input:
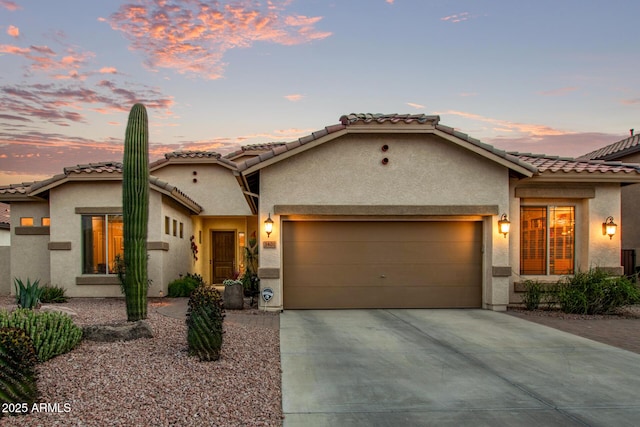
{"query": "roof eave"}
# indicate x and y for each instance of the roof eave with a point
(593, 177)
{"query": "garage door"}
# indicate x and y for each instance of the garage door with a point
(382, 264)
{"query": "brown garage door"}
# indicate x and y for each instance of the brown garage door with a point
(382, 264)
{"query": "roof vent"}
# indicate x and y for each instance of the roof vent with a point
(631, 132)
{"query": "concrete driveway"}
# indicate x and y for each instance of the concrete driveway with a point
(451, 368)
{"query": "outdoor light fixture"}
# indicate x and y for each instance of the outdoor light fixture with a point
(504, 225)
(268, 225)
(609, 227)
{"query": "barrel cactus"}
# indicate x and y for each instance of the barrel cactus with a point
(135, 210)
(205, 315)
(17, 368)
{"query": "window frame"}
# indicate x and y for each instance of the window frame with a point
(106, 218)
(548, 206)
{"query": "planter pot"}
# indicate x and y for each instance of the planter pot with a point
(233, 297)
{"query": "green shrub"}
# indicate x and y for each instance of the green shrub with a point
(595, 292)
(27, 296)
(205, 316)
(532, 295)
(183, 286)
(18, 376)
(53, 333)
(53, 294)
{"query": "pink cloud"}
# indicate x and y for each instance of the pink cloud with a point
(294, 97)
(533, 130)
(631, 101)
(9, 5)
(13, 31)
(569, 145)
(108, 70)
(193, 37)
(464, 16)
(416, 106)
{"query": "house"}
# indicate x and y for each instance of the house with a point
(375, 211)
(626, 150)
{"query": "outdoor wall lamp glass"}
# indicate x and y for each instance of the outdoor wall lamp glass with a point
(609, 227)
(268, 225)
(504, 225)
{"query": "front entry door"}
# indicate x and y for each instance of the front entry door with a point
(223, 255)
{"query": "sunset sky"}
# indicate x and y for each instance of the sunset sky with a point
(546, 76)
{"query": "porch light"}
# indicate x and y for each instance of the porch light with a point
(609, 227)
(268, 225)
(504, 225)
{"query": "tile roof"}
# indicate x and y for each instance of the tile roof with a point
(252, 148)
(555, 164)
(349, 119)
(5, 215)
(195, 155)
(367, 118)
(16, 188)
(616, 150)
(101, 168)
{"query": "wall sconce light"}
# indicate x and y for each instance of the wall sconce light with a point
(504, 225)
(609, 227)
(268, 225)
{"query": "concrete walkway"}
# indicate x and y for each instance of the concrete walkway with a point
(451, 368)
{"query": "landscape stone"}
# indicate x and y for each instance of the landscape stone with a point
(118, 331)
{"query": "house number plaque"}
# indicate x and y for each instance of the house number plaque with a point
(270, 244)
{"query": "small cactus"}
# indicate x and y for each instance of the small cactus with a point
(17, 367)
(205, 316)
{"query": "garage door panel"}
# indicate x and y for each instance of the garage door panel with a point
(340, 297)
(378, 264)
(378, 252)
(366, 275)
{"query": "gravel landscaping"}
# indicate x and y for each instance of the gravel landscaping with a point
(153, 382)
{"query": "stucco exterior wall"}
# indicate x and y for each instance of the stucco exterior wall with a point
(422, 170)
(5, 270)
(603, 251)
(177, 260)
(216, 189)
(29, 253)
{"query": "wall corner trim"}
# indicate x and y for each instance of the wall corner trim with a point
(269, 273)
(59, 246)
(501, 271)
(158, 246)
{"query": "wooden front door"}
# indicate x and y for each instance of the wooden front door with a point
(223, 255)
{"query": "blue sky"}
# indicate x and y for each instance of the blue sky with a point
(554, 77)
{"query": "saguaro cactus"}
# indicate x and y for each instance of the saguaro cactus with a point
(135, 210)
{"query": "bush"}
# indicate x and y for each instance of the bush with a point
(27, 296)
(17, 369)
(183, 286)
(205, 316)
(53, 333)
(595, 292)
(532, 294)
(53, 294)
